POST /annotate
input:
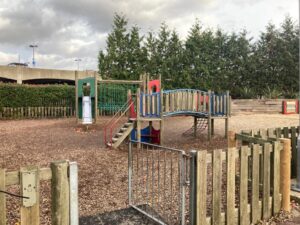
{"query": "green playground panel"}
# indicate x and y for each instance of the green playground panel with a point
(81, 83)
(111, 97)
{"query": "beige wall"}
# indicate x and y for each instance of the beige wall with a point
(20, 73)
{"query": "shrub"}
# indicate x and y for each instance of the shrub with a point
(16, 95)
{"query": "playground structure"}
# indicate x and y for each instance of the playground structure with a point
(149, 103)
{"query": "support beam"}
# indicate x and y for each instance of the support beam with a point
(161, 138)
(195, 126)
(76, 96)
(138, 121)
(212, 127)
(209, 115)
(209, 128)
(226, 127)
(96, 96)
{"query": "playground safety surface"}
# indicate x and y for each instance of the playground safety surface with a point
(102, 171)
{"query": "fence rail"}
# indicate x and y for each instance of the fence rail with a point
(36, 112)
(64, 195)
(237, 186)
(266, 135)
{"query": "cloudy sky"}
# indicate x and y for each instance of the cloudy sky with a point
(67, 29)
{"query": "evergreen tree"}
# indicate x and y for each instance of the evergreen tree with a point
(289, 57)
(207, 59)
(152, 55)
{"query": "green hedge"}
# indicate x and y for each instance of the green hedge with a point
(16, 95)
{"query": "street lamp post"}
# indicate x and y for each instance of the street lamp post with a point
(33, 47)
(78, 61)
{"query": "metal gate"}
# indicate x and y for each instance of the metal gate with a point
(158, 182)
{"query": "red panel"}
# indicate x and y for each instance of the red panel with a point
(154, 84)
(155, 136)
(289, 111)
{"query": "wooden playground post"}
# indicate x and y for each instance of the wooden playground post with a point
(285, 174)
(76, 95)
(143, 84)
(161, 122)
(209, 114)
(96, 96)
(128, 98)
(212, 126)
(138, 121)
(227, 113)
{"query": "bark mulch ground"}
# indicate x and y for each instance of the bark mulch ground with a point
(102, 172)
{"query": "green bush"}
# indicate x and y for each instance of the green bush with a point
(16, 95)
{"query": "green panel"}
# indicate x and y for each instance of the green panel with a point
(111, 97)
(81, 82)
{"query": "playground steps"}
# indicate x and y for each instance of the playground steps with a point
(122, 134)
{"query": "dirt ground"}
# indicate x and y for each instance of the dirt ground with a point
(102, 171)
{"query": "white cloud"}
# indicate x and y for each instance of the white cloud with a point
(65, 30)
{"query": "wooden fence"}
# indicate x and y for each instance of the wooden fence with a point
(64, 196)
(264, 135)
(239, 185)
(36, 112)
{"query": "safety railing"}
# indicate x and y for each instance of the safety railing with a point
(150, 104)
(184, 101)
(110, 126)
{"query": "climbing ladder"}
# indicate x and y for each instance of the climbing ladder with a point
(114, 135)
(201, 125)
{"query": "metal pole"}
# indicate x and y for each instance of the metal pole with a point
(182, 189)
(129, 172)
(193, 187)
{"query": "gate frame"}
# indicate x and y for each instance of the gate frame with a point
(182, 181)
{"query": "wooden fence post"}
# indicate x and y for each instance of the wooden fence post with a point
(232, 142)
(2, 198)
(285, 173)
(60, 193)
(30, 215)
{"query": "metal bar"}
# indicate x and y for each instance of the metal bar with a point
(130, 173)
(182, 189)
(148, 215)
(137, 176)
(158, 185)
(193, 187)
(158, 146)
(152, 186)
(165, 173)
(147, 175)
